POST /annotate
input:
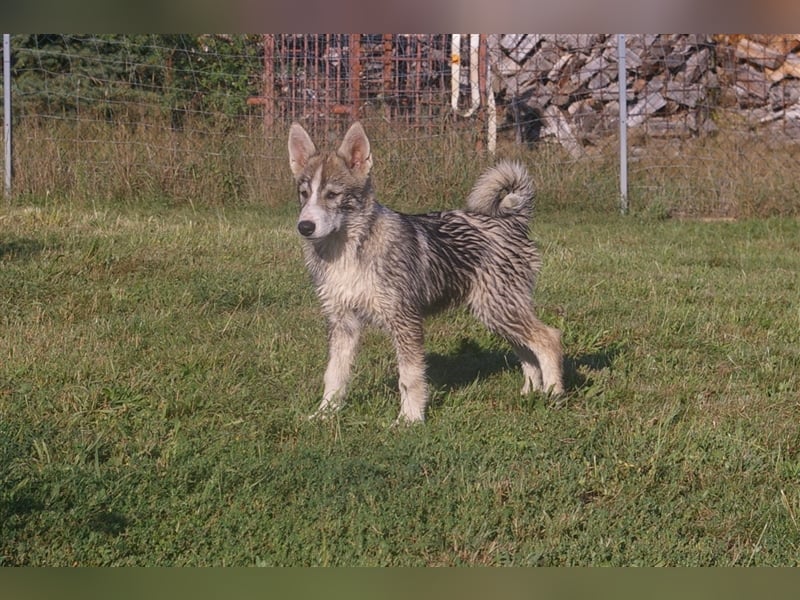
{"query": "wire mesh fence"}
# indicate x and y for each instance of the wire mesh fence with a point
(317, 78)
(185, 116)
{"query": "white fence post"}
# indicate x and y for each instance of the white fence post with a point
(623, 125)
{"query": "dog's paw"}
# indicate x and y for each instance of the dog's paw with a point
(532, 381)
(323, 413)
(404, 420)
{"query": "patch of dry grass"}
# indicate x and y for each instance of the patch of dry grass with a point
(734, 173)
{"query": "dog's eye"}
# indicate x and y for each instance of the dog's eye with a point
(303, 194)
(331, 195)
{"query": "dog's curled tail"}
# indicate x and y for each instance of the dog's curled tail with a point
(503, 190)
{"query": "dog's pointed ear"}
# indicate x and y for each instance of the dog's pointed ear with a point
(355, 150)
(301, 148)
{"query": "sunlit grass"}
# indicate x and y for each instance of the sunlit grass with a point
(157, 365)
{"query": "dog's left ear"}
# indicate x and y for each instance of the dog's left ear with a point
(355, 150)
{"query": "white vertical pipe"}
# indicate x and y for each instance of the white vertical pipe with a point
(623, 125)
(455, 70)
(455, 74)
(7, 108)
(474, 81)
(491, 141)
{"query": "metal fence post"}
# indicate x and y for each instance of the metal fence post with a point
(623, 125)
(269, 82)
(355, 73)
(7, 108)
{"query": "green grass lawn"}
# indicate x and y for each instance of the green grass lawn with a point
(157, 366)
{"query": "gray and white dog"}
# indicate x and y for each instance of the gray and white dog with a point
(372, 265)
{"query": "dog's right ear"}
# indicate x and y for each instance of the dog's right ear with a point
(301, 148)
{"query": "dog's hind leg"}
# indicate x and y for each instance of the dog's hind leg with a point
(408, 341)
(530, 369)
(343, 338)
(543, 343)
(537, 345)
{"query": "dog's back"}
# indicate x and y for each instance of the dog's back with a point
(448, 256)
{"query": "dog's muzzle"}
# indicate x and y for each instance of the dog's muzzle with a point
(306, 228)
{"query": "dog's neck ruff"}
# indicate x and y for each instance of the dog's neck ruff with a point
(329, 248)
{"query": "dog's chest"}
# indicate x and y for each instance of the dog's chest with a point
(351, 285)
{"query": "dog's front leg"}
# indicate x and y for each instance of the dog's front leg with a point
(343, 340)
(408, 342)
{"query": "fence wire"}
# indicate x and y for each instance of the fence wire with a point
(130, 114)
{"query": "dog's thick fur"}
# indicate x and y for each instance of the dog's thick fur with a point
(372, 265)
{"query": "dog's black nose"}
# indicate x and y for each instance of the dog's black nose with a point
(306, 228)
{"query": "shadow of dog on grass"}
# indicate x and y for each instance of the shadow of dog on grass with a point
(470, 362)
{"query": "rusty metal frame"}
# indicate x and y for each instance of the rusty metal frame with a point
(323, 79)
